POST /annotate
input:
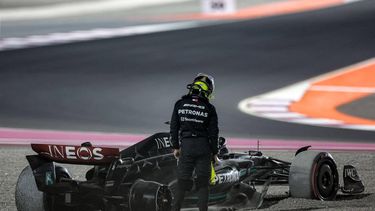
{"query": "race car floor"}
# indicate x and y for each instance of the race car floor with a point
(13, 160)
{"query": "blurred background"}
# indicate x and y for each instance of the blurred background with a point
(119, 65)
(110, 71)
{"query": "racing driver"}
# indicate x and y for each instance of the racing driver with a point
(194, 136)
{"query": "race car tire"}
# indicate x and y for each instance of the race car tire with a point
(313, 175)
(27, 195)
(150, 195)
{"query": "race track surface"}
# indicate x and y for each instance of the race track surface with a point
(130, 84)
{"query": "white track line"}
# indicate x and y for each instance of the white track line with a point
(94, 34)
(76, 8)
(342, 89)
(79, 8)
(351, 1)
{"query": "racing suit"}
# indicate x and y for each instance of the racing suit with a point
(194, 130)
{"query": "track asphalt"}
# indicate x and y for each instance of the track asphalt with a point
(130, 84)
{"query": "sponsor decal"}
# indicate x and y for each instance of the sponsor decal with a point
(192, 112)
(228, 177)
(351, 172)
(76, 154)
(194, 106)
(185, 119)
(163, 143)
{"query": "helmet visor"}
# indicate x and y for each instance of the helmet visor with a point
(209, 77)
(201, 85)
(211, 85)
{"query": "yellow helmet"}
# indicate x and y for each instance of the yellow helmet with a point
(203, 84)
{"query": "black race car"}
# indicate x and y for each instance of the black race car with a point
(143, 177)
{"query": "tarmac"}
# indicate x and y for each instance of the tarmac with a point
(88, 85)
(28, 18)
(15, 4)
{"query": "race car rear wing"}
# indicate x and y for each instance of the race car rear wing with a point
(46, 173)
(71, 154)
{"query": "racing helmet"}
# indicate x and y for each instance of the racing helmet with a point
(202, 85)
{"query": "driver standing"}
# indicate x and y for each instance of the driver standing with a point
(194, 136)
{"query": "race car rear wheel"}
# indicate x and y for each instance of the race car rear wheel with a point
(150, 195)
(313, 175)
(27, 195)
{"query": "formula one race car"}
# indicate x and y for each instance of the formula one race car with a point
(143, 177)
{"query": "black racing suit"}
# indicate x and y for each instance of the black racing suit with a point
(194, 130)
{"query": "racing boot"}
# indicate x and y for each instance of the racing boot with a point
(179, 198)
(203, 198)
(183, 185)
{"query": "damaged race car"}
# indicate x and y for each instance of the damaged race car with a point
(143, 177)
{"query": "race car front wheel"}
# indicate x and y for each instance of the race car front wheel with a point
(313, 175)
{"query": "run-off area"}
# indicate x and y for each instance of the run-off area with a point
(13, 161)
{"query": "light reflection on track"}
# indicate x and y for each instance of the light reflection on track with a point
(22, 137)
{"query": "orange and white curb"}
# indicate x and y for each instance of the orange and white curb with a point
(315, 101)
